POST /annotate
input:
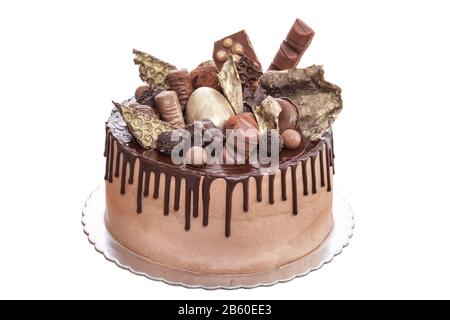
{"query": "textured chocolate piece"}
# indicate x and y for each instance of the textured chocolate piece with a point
(249, 72)
(253, 96)
(148, 96)
(152, 70)
(165, 142)
(267, 114)
(140, 91)
(231, 85)
(180, 82)
(119, 127)
(318, 102)
(288, 117)
(293, 47)
(238, 44)
(197, 131)
(207, 103)
(169, 108)
(144, 128)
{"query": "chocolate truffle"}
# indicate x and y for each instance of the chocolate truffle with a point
(205, 75)
(196, 156)
(291, 139)
(140, 90)
(233, 121)
(165, 144)
(288, 116)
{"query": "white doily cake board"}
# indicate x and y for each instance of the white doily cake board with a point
(98, 235)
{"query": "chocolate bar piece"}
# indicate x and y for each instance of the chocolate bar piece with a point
(169, 108)
(236, 44)
(292, 49)
(180, 82)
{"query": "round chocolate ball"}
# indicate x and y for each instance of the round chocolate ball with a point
(291, 138)
(196, 156)
(165, 144)
(288, 116)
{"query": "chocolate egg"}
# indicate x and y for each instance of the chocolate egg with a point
(288, 116)
(207, 103)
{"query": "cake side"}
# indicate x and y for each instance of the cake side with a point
(222, 224)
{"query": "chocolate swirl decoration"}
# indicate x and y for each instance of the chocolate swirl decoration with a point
(199, 180)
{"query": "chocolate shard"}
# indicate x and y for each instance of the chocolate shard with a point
(318, 101)
(293, 47)
(143, 127)
(231, 85)
(152, 70)
(249, 72)
(119, 127)
(253, 96)
(267, 114)
(235, 44)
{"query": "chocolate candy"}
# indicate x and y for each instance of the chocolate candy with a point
(165, 142)
(140, 91)
(231, 85)
(291, 139)
(270, 140)
(267, 114)
(180, 82)
(196, 156)
(205, 75)
(254, 96)
(207, 103)
(169, 108)
(152, 112)
(144, 128)
(288, 116)
(249, 72)
(237, 44)
(233, 121)
(291, 50)
(318, 102)
(152, 70)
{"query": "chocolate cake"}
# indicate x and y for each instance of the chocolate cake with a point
(231, 178)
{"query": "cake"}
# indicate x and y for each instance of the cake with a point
(226, 169)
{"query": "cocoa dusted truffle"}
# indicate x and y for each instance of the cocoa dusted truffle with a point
(205, 75)
(269, 139)
(165, 144)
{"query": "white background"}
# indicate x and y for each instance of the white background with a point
(61, 63)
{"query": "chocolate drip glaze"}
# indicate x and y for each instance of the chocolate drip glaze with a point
(121, 160)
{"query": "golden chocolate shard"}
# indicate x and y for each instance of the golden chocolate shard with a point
(318, 101)
(152, 70)
(144, 128)
(267, 114)
(231, 85)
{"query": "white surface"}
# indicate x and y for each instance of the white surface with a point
(61, 63)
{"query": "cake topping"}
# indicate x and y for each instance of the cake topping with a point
(143, 127)
(267, 114)
(169, 108)
(270, 143)
(196, 156)
(167, 141)
(197, 132)
(231, 85)
(238, 44)
(318, 101)
(288, 117)
(140, 91)
(119, 127)
(291, 139)
(292, 49)
(205, 75)
(254, 96)
(249, 72)
(148, 95)
(207, 103)
(152, 70)
(152, 112)
(180, 82)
